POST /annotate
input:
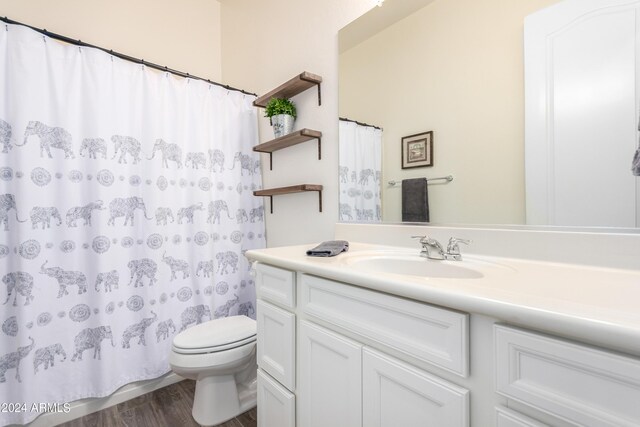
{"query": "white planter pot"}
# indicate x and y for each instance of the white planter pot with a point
(282, 124)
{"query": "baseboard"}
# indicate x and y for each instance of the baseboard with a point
(82, 407)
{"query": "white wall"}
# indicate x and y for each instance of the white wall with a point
(182, 35)
(264, 43)
(454, 67)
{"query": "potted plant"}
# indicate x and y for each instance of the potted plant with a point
(282, 114)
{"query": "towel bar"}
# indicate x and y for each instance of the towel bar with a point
(447, 178)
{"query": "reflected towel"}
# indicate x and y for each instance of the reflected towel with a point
(635, 164)
(329, 248)
(415, 200)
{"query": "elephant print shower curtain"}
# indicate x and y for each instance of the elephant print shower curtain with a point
(360, 172)
(126, 207)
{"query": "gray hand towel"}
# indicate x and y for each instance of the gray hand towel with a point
(415, 200)
(635, 164)
(330, 248)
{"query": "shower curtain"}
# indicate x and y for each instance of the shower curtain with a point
(360, 172)
(126, 207)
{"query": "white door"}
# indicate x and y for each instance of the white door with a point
(330, 379)
(397, 394)
(581, 102)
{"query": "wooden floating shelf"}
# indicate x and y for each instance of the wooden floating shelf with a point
(290, 190)
(296, 85)
(289, 140)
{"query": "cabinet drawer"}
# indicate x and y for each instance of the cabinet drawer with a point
(276, 285)
(428, 333)
(578, 383)
(397, 394)
(276, 405)
(276, 343)
(509, 418)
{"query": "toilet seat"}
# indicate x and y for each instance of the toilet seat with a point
(215, 348)
(216, 335)
(219, 361)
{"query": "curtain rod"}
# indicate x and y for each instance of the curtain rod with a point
(122, 55)
(359, 123)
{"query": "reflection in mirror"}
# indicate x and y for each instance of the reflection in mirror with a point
(456, 68)
(360, 171)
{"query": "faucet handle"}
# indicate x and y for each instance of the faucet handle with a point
(423, 242)
(430, 241)
(453, 248)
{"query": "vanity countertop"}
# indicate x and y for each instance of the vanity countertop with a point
(592, 304)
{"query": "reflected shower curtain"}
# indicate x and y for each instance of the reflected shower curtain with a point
(360, 172)
(126, 207)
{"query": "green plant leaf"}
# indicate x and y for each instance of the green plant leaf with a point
(280, 106)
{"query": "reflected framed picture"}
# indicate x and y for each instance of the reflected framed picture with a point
(417, 150)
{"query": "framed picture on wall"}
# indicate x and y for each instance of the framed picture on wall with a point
(417, 150)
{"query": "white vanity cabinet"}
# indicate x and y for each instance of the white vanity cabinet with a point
(323, 356)
(335, 354)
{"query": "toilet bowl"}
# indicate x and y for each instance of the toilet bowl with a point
(220, 355)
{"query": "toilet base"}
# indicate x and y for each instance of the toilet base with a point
(218, 399)
(226, 383)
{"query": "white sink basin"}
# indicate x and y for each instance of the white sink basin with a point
(412, 265)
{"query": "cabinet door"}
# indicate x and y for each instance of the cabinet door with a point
(276, 405)
(397, 394)
(330, 379)
(276, 343)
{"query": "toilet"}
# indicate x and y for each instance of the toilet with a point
(221, 356)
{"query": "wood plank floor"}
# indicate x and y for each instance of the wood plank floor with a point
(166, 407)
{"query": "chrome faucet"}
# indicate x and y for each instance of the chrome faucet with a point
(432, 249)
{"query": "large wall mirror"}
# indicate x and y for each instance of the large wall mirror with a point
(456, 68)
